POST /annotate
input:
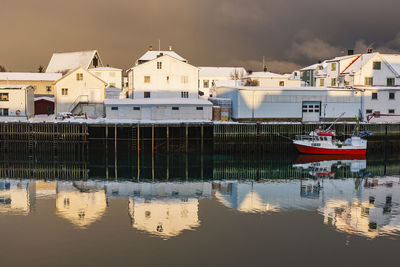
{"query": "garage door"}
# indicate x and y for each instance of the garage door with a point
(311, 111)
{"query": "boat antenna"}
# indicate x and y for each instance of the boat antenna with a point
(335, 121)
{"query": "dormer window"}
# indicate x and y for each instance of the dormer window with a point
(159, 65)
(376, 65)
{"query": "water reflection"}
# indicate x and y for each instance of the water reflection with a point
(81, 203)
(352, 194)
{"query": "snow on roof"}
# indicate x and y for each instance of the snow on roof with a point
(314, 67)
(220, 71)
(267, 74)
(157, 101)
(104, 69)
(14, 86)
(150, 55)
(359, 62)
(29, 76)
(341, 58)
(393, 60)
(306, 88)
(64, 62)
(47, 98)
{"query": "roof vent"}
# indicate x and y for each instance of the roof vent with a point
(265, 69)
(319, 61)
(350, 52)
(369, 50)
(150, 48)
(170, 48)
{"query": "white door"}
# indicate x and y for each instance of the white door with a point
(311, 111)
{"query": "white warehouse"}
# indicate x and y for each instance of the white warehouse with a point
(158, 109)
(307, 104)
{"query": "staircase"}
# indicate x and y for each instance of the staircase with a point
(82, 99)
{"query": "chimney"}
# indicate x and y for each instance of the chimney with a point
(170, 47)
(265, 69)
(150, 48)
(369, 50)
(350, 52)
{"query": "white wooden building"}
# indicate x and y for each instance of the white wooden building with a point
(80, 91)
(163, 77)
(112, 76)
(269, 79)
(308, 104)
(157, 109)
(16, 102)
(209, 77)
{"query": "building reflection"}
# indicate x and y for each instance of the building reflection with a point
(164, 209)
(375, 212)
(16, 196)
(81, 203)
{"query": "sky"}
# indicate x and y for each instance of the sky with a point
(289, 34)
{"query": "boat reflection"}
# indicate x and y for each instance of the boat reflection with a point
(369, 207)
(327, 166)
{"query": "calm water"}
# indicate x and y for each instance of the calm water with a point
(118, 209)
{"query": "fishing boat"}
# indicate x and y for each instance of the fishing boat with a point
(325, 142)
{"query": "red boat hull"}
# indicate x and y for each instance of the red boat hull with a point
(325, 151)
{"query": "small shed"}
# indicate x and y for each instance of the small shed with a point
(44, 105)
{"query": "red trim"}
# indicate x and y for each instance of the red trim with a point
(325, 151)
(351, 64)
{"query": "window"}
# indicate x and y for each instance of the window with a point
(4, 97)
(281, 83)
(333, 81)
(390, 82)
(333, 66)
(391, 111)
(159, 65)
(391, 95)
(374, 96)
(199, 108)
(48, 88)
(376, 65)
(185, 79)
(64, 91)
(175, 108)
(3, 111)
(114, 108)
(322, 82)
(369, 81)
(184, 94)
(167, 79)
(136, 108)
(146, 94)
(368, 111)
(79, 76)
(146, 79)
(206, 84)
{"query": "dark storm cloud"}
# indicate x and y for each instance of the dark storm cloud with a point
(289, 33)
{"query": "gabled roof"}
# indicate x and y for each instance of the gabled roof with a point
(150, 55)
(29, 76)
(65, 62)
(103, 69)
(220, 71)
(14, 86)
(86, 71)
(358, 63)
(173, 58)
